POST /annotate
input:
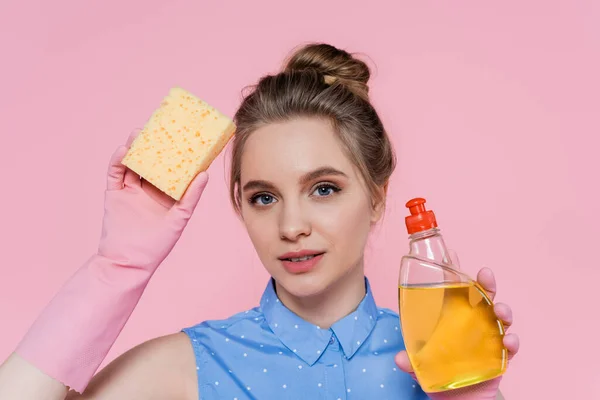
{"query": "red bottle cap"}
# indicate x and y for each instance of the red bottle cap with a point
(419, 218)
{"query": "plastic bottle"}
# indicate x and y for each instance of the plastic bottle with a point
(452, 335)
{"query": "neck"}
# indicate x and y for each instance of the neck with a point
(331, 305)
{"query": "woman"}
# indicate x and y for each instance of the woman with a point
(310, 168)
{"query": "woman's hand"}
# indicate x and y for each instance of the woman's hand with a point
(487, 390)
(141, 224)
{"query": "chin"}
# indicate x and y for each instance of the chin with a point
(308, 284)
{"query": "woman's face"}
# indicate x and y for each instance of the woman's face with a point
(304, 204)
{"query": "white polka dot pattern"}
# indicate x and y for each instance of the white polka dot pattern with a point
(268, 352)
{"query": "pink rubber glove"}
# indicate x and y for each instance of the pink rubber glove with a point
(486, 390)
(74, 333)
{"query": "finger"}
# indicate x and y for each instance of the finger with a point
(132, 136)
(131, 179)
(504, 314)
(512, 343)
(454, 258)
(156, 194)
(116, 170)
(486, 279)
(403, 362)
(188, 202)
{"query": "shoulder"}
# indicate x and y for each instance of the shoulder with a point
(165, 364)
(252, 317)
(387, 329)
(388, 318)
(238, 326)
(230, 338)
(386, 313)
(162, 355)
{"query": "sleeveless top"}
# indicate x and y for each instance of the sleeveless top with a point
(269, 352)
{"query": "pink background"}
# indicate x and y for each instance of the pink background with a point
(493, 109)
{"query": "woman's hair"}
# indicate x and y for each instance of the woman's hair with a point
(321, 81)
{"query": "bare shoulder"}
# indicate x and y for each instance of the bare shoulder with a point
(159, 368)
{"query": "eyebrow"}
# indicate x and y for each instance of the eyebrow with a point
(304, 179)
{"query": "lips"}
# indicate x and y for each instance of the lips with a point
(301, 261)
(300, 255)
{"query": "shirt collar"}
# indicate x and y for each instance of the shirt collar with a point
(309, 341)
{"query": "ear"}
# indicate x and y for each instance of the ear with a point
(240, 213)
(385, 188)
(379, 206)
(239, 210)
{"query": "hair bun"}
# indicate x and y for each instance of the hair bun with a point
(334, 64)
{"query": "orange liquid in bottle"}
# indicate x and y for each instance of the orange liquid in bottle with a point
(452, 335)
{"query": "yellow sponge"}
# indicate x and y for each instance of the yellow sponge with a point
(181, 138)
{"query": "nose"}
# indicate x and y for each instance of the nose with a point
(293, 222)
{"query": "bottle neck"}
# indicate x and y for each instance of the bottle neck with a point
(429, 245)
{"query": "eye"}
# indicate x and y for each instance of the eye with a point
(326, 189)
(263, 199)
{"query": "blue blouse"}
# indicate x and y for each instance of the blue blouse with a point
(269, 352)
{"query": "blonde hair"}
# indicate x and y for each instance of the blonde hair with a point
(321, 81)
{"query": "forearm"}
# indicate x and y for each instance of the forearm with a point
(21, 380)
(72, 335)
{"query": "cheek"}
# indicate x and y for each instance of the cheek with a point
(345, 225)
(262, 230)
